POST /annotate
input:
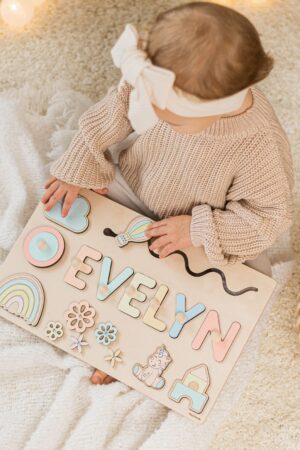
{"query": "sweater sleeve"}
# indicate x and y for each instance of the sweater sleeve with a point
(258, 208)
(85, 163)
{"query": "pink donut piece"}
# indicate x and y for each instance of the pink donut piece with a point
(53, 242)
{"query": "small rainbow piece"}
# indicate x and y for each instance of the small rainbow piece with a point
(23, 295)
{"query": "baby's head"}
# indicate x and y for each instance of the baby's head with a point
(213, 50)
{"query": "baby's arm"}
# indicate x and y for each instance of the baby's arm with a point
(259, 207)
(85, 163)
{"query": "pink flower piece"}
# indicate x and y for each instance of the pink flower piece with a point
(80, 316)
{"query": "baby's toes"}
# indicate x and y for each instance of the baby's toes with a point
(100, 377)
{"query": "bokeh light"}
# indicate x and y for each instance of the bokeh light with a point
(17, 13)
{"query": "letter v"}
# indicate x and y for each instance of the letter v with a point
(105, 289)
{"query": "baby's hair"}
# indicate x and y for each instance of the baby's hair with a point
(213, 50)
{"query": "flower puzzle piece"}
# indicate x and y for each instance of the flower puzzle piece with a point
(80, 316)
(54, 331)
(77, 219)
(192, 386)
(114, 356)
(150, 374)
(106, 333)
(77, 342)
(135, 232)
(23, 295)
(43, 246)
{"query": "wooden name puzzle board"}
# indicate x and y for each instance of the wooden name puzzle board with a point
(171, 328)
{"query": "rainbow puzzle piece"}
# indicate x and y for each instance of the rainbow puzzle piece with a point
(23, 295)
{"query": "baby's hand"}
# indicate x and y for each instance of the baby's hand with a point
(171, 234)
(57, 189)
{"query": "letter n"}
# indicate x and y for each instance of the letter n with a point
(220, 345)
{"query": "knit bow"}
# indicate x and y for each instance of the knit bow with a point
(152, 84)
(155, 85)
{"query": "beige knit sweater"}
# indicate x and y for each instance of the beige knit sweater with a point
(235, 178)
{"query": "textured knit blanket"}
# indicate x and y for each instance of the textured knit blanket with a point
(46, 399)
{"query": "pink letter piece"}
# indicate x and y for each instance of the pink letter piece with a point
(220, 346)
(78, 265)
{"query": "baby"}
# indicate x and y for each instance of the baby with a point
(206, 158)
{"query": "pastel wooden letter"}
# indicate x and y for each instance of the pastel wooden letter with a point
(211, 325)
(106, 288)
(132, 292)
(78, 265)
(183, 316)
(155, 303)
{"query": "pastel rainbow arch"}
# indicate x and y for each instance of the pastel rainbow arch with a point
(23, 295)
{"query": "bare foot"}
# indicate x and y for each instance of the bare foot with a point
(100, 377)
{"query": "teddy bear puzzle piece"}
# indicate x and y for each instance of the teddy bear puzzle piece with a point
(43, 246)
(192, 386)
(150, 374)
(77, 219)
(22, 295)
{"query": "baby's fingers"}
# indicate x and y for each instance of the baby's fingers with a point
(68, 202)
(55, 197)
(160, 242)
(156, 231)
(49, 182)
(102, 191)
(50, 191)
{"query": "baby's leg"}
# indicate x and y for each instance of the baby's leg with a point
(100, 377)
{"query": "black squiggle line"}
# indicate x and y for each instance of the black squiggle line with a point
(111, 233)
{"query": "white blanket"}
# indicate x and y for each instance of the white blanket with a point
(46, 399)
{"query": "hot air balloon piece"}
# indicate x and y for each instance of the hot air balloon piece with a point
(135, 232)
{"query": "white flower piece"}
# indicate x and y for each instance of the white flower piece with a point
(78, 342)
(114, 356)
(54, 330)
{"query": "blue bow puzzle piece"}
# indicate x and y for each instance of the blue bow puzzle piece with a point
(77, 219)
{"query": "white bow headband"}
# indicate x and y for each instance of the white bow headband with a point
(153, 84)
